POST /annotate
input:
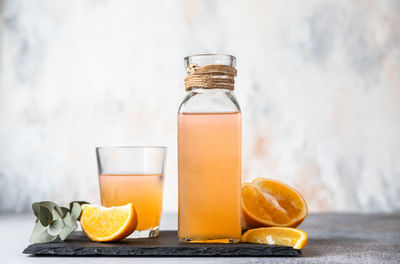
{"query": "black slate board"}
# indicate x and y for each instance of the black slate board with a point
(166, 244)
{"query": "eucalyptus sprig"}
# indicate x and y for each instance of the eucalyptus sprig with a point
(53, 220)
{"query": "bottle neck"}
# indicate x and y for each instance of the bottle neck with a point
(210, 77)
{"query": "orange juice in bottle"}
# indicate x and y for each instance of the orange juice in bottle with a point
(209, 152)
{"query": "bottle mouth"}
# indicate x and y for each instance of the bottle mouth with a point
(210, 59)
(210, 71)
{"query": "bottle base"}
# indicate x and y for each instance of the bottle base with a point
(210, 241)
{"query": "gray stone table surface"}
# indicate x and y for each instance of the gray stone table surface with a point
(333, 238)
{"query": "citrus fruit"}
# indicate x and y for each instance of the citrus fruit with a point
(108, 223)
(267, 202)
(280, 236)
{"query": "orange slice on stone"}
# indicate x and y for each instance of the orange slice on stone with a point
(267, 202)
(280, 236)
(108, 223)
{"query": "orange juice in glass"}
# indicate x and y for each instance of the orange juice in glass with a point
(134, 174)
(209, 161)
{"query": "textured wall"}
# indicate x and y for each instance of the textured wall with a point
(319, 85)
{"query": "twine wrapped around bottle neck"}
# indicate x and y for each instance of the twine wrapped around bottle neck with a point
(210, 77)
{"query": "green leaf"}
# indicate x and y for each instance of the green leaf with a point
(56, 227)
(78, 202)
(57, 217)
(40, 235)
(49, 205)
(59, 211)
(76, 211)
(69, 227)
(35, 209)
(45, 216)
(64, 210)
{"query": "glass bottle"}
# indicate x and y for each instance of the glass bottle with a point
(209, 160)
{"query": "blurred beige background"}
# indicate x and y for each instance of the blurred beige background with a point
(318, 83)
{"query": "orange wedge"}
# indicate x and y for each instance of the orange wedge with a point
(108, 223)
(267, 202)
(280, 236)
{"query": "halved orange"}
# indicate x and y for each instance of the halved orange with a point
(108, 223)
(267, 202)
(280, 236)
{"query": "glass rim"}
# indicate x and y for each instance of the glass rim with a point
(210, 59)
(132, 147)
(211, 55)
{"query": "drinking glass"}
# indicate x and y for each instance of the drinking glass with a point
(134, 174)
